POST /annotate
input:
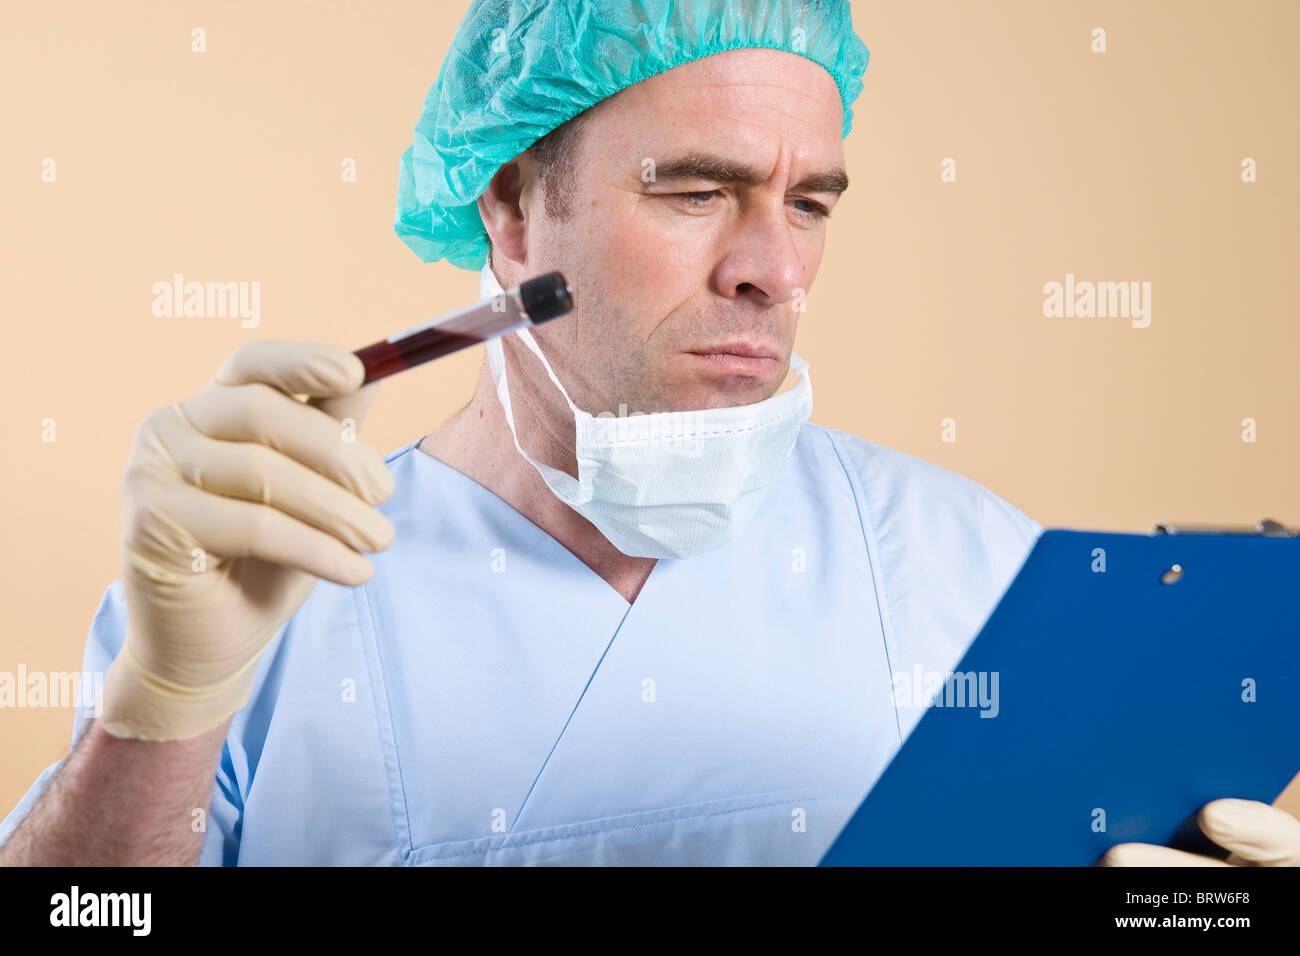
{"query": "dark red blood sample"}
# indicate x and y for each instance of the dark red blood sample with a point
(536, 300)
(386, 358)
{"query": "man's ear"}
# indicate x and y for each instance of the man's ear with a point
(504, 208)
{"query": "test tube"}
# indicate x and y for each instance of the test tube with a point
(530, 303)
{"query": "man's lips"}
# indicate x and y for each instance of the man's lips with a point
(739, 358)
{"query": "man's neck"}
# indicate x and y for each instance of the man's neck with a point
(477, 443)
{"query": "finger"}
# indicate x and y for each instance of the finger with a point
(259, 413)
(1147, 854)
(329, 376)
(316, 369)
(355, 405)
(1256, 832)
(231, 528)
(258, 473)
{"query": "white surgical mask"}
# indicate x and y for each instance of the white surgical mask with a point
(666, 484)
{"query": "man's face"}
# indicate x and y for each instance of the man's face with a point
(687, 282)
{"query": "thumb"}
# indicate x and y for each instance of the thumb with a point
(1256, 832)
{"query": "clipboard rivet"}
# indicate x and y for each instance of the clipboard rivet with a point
(1172, 575)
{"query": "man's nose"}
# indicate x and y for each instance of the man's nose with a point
(763, 257)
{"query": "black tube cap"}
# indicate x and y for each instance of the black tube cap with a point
(546, 297)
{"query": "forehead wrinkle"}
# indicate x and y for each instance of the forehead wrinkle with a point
(821, 98)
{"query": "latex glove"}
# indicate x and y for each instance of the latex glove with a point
(1257, 834)
(275, 496)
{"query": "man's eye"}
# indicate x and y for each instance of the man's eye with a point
(815, 210)
(698, 198)
(807, 208)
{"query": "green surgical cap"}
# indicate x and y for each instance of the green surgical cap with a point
(517, 69)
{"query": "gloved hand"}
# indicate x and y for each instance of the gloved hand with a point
(1257, 834)
(234, 502)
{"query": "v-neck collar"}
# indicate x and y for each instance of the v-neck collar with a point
(500, 504)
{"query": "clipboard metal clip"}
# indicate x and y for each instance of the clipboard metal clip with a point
(1267, 528)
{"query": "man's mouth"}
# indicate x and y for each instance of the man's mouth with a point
(739, 358)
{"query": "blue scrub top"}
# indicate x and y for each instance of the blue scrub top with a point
(486, 698)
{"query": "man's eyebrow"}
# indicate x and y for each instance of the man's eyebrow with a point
(718, 169)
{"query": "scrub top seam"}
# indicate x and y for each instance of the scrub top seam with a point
(578, 703)
(383, 720)
(590, 828)
(877, 581)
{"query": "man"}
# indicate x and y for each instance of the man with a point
(587, 639)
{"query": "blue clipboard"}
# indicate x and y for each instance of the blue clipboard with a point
(1122, 692)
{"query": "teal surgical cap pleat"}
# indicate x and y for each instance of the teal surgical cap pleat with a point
(517, 69)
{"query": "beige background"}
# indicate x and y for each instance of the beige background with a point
(225, 165)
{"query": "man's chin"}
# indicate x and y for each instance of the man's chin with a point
(713, 387)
